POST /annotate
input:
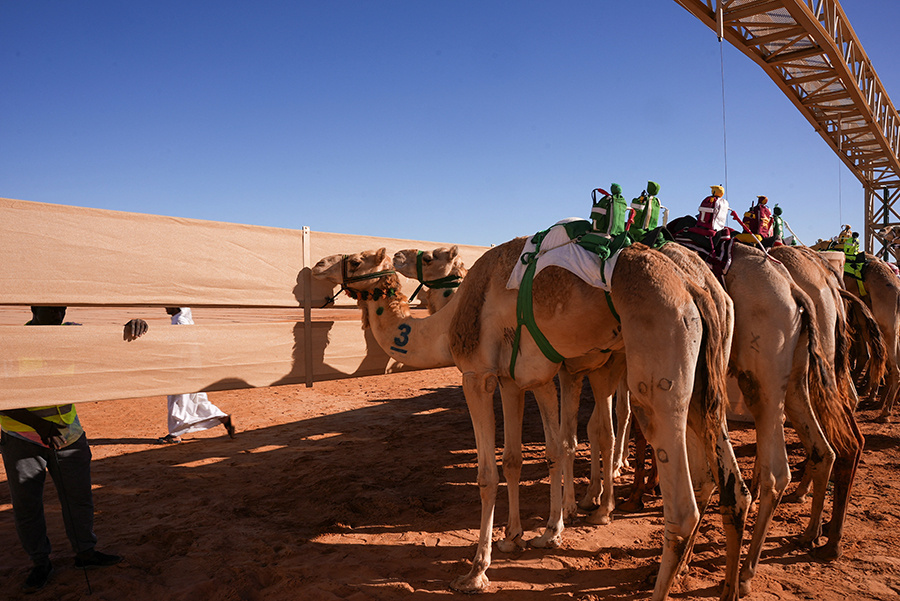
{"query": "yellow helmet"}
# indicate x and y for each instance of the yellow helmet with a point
(717, 191)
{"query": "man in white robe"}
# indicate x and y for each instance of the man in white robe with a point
(191, 412)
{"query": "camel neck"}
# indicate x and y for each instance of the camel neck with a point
(421, 342)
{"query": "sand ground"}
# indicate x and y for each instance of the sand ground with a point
(365, 489)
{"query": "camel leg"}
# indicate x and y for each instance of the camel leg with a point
(623, 423)
(635, 501)
(679, 504)
(704, 484)
(569, 397)
(547, 399)
(801, 493)
(844, 475)
(893, 387)
(771, 467)
(591, 499)
(513, 403)
(603, 382)
(479, 389)
(820, 455)
(734, 497)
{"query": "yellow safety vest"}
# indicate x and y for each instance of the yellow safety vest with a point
(64, 416)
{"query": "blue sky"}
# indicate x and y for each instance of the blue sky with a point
(465, 121)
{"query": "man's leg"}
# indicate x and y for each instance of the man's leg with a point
(71, 472)
(25, 471)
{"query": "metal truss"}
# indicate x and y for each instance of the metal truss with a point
(809, 49)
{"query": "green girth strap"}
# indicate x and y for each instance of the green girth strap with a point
(525, 316)
(612, 309)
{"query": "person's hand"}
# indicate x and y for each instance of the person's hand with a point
(135, 329)
(50, 434)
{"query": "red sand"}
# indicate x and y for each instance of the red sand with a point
(364, 489)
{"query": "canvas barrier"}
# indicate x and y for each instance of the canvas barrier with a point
(79, 257)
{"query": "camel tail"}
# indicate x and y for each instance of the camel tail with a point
(712, 365)
(873, 344)
(829, 405)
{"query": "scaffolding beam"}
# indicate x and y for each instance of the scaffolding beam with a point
(810, 51)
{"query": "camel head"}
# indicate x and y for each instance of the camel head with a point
(888, 235)
(428, 266)
(360, 274)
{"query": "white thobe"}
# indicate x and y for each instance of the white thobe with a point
(191, 412)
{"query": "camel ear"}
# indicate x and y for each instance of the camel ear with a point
(454, 251)
(380, 254)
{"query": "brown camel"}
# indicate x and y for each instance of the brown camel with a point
(834, 411)
(679, 314)
(882, 296)
(776, 356)
(423, 342)
(444, 268)
(438, 271)
(654, 302)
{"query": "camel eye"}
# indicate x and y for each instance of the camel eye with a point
(354, 263)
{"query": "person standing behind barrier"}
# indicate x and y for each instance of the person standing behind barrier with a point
(191, 412)
(38, 440)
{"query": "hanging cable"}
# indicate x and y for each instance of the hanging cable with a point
(720, 23)
(840, 185)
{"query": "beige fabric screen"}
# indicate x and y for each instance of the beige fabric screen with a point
(73, 256)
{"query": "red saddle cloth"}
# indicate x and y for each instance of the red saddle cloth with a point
(715, 248)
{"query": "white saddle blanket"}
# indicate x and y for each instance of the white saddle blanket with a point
(557, 249)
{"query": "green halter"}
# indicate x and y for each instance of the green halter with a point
(448, 281)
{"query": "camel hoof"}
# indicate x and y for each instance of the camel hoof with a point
(826, 552)
(631, 507)
(511, 545)
(598, 518)
(805, 541)
(744, 588)
(728, 592)
(588, 505)
(794, 498)
(552, 542)
(470, 584)
(882, 419)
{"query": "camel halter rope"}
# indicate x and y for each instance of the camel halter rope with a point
(360, 294)
(447, 282)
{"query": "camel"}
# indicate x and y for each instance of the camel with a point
(423, 342)
(882, 297)
(683, 319)
(654, 303)
(439, 271)
(443, 267)
(779, 349)
(776, 357)
(822, 282)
